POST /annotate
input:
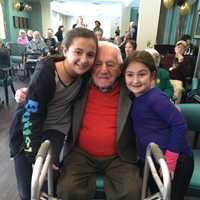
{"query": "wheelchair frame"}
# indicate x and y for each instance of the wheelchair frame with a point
(164, 186)
(43, 166)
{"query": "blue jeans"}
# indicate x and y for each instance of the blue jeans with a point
(23, 171)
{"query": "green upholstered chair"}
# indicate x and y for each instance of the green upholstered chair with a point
(194, 187)
(195, 91)
(191, 113)
(100, 194)
(5, 72)
(17, 53)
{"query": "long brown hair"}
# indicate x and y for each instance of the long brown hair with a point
(141, 57)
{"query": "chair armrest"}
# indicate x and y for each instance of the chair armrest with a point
(196, 98)
(5, 69)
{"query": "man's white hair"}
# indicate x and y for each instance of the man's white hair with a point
(156, 56)
(114, 46)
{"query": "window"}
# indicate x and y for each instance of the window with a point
(197, 26)
(2, 27)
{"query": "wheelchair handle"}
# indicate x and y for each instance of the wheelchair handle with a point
(164, 185)
(156, 152)
(41, 168)
(43, 149)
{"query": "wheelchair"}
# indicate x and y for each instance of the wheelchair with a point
(155, 156)
(43, 169)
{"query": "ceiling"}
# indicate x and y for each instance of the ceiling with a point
(98, 8)
(134, 3)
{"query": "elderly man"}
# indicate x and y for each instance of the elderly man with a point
(101, 136)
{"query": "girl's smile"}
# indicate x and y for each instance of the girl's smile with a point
(138, 78)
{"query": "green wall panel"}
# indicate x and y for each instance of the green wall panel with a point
(34, 18)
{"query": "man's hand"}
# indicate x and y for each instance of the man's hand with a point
(21, 95)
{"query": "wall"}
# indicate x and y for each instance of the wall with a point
(149, 12)
(161, 25)
(45, 15)
(125, 19)
(36, 17)
(11, 31)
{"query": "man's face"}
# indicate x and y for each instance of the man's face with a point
(107, 68)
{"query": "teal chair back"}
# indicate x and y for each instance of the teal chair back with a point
(191, 112)
(195, 91)
(100, 194)
(4, 58)
(194, 187)
(5, 72)
(195, 83)
(17, 52)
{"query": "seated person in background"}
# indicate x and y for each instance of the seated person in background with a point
(163, 81)
(156, 119)
(22, 39)
(46, 113)
(51, 42)
(30, 35)
(130, 47)
(191, 48)
(37, 45)
(179, 67)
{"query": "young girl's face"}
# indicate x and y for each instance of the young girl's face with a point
(138, 78)
(80, 56)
